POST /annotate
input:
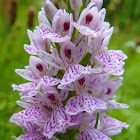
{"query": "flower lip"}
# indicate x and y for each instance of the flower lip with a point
(39, 67)
(66, 26)
(89, 18)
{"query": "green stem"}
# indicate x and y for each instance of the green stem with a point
(97, 120)
(86, 59)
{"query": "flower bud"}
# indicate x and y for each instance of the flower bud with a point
(76, 4)
(49, 8)
(98, 3)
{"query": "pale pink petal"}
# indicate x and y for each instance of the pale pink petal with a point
(38, 67)
(36, 40)
(50, 9)
(74, 71)
(115, 105)
(85, 30)
(26, 74)
(69, 87)
(62, 23)
(52, 69)
(30, 114)
(98, 3)
(32, 99)
(48, 33)
(51, 59)
(71, 26)
(91, 4)
(68, 53)
(111, 61)
(91, 19)
(32, 136)
(102, 13)
(101, 42)
(23, 104)
(48, 81)
(76, 4)
(25, 87)
(42, 17)
(81, 48)
(84, 102)
(56, 122)
(64, 94)
(92, 134)
(29, 49)
(110, 126)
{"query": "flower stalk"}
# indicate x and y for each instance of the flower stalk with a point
(69, 88)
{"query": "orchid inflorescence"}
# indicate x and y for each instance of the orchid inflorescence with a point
(70, 68)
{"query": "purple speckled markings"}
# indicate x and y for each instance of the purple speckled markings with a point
(84, 102)
(112, 61)
(92, 134)
(56, 122)
(30, 114)
(70, 84)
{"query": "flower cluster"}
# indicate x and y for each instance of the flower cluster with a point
(69, 72)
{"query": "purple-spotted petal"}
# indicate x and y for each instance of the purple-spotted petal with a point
(36, 42)
(102, 13)
(48, 33)
(32, 99)
(25, 87)
(26, 74)
(84, 102)
(92, 134)
(51, 59)
(115, 105)
(110, 126)
(29, 49)
(30, 114)
(69, 87)
(74, 71)
(32, 136)
(111, 61)
(48, 81)
(64, 94)
(56, 122)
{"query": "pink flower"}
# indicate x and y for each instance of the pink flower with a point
(62, 27)
(37, 72)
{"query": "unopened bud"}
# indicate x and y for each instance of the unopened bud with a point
(49, 8)
(76, 4)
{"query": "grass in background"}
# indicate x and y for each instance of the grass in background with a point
(13, 56)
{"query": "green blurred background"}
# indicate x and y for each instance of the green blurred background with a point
(124, 15)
